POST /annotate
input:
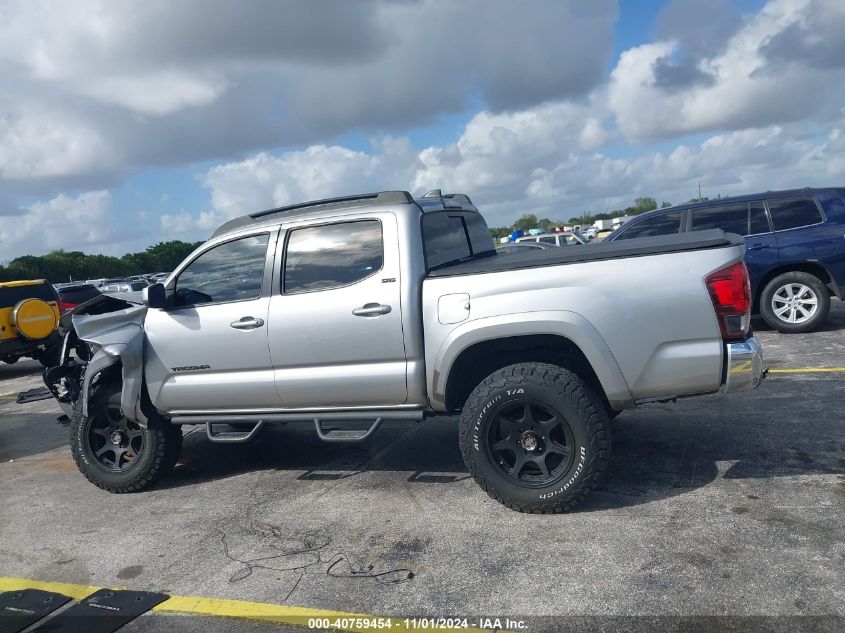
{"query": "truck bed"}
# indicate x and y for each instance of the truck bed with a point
(692, 241)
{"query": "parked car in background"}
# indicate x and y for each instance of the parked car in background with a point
(29, 316)
(795, 251)
(591, 232)
(73, 295)
(124, 286)
(523, 247)
(557, 239)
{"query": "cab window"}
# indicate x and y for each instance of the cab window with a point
(232, 271)
(332, 255)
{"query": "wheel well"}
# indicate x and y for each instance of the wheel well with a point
(817, 270)
(478, 361)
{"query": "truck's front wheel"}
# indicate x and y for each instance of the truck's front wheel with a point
(113, 452)
(535, 437)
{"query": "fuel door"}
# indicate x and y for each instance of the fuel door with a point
(453, 308)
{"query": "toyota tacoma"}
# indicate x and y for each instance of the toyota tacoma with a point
(352, 311)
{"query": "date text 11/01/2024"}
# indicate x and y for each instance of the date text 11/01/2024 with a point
(430, 624)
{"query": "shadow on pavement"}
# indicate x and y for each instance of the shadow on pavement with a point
(659, 451)
(20, 369)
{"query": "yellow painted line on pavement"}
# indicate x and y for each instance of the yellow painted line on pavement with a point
(222, 607)
(807, 370)
(77, 592)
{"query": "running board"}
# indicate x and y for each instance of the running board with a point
(374, 418)
(397, 415)
(232, 437)
(346, 435)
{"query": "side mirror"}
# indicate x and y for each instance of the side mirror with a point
(154, 296)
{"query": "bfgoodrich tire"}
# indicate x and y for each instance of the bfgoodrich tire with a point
(795, 302)
(535, 437)
(116, 454)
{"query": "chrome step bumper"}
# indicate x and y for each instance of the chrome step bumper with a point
(744, 365)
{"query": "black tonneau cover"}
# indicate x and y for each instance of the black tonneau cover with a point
(638, 247)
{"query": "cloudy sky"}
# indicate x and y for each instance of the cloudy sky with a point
(123, 123)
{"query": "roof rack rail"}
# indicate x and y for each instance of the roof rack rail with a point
(381, 197)
(437, 193)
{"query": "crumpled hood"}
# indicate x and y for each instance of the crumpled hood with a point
(110, 327)
(106, 319)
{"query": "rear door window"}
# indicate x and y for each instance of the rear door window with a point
(731, 218)
(664, 224)
(332, 255)
(791, 213)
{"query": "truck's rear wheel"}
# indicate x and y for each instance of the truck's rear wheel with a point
(116, 454)
(535, 437)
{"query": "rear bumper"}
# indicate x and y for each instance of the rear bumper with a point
(19, 346)
(744, 365)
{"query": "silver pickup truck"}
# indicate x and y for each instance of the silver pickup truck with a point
(348, 312)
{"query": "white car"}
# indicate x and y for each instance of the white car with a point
(558, 239)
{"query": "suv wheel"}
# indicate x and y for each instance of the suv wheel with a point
(116, 454)
(795, 302)
(535, 437)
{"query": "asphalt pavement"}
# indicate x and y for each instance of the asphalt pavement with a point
(718, 511)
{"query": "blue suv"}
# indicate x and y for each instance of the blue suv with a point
(795, 247)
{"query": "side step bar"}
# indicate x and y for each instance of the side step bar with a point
(346, 435)
(318, 418)
(232, 437)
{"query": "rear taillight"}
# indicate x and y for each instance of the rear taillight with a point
(730, 291)
(64, 306)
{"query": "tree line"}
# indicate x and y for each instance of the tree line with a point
(62, 266)
(531, 221)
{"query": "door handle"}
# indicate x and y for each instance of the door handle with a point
(371, 309)
(758, 247)
(247, 323)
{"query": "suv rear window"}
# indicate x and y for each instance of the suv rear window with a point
(790, 213)
(10, 295)
(664, 224)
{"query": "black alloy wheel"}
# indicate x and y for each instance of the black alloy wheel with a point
(114, 441)
(531, 443)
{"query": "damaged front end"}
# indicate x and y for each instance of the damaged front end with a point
(100, 336)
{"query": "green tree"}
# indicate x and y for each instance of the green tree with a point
(526, 222)
(499, 231)
(643, 204)
(61, 266)
(665, 205)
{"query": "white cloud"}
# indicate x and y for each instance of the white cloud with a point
(64, 222)
(157, 93)
(658, 91)
(528, 161)
(158, 83)
(41, 143)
